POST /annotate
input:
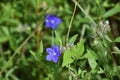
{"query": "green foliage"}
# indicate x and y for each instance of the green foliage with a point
(75, 52)
(39, 52)
(91, 52)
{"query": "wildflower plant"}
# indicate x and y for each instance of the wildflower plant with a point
(52, 21)
(83, 48)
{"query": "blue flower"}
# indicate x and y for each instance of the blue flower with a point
(52, 21)
(53, 54)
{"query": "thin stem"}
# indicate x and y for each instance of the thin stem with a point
(38, 28)
(83, 32)
(72, 73)
(38, 36)
(113, 59)
(70, 25)
(84, 12)
(52, 37)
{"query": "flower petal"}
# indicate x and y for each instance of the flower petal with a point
(49, 58)
(54, 26)
(50, 51)
(56, 50)
(55, 59)
(47, 23)
(58, 21)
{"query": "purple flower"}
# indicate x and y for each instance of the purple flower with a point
(52, 21)
(53, 54)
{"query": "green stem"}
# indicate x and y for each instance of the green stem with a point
(70, 25)
(53, 37)
(83, 32)
(84, 12)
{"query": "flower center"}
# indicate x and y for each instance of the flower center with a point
(54, 53)
(47, 20)
(52, 21)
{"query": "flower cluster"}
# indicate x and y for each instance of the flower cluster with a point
(52, 21)
(103, 28)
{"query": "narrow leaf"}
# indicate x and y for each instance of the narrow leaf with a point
(90, 54)
(58, 38)
(33, 54)
(10, 71)
(3, 38)
(92, 63)
(5, 30)
(41, 47)
(117, 39)
(72, 40)
(112, 11)
(80, 49)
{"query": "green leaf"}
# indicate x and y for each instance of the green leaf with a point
(92, 63)
(33, 54)
(58, 38)
(10, 71)
(33, 3)
(24, 60)
(5, 30)
(3, 38)
(90, 54)
(92, 57)
(101, 71)
(75, 52)
(117, 39)
(72, 40)
(4, 35)
(41, 48)
(113, 11)
(14, 77)
(80, 49)
(67, 58)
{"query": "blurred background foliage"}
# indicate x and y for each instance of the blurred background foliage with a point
(20, 18)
